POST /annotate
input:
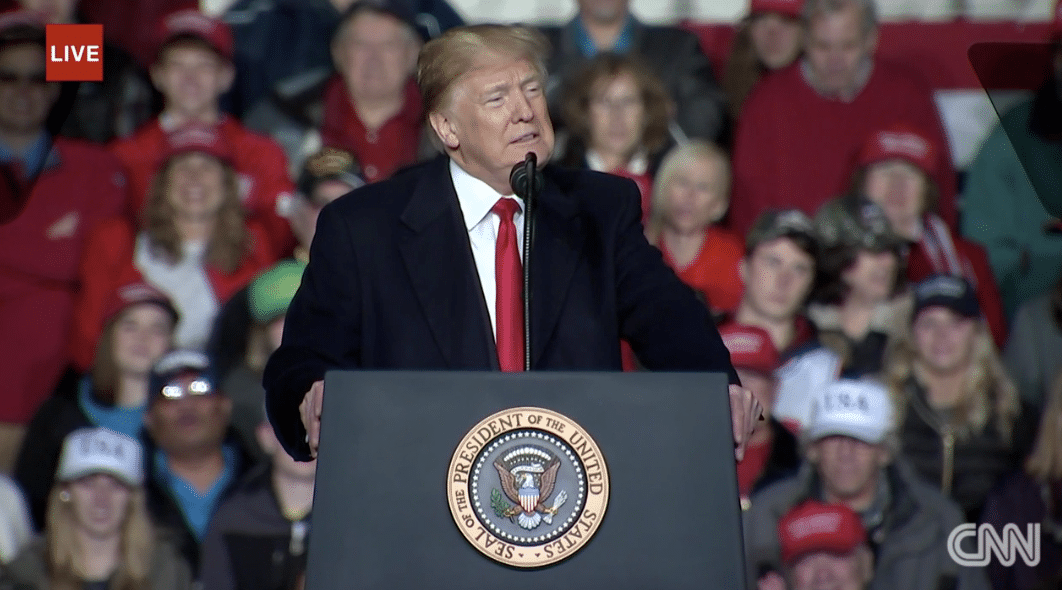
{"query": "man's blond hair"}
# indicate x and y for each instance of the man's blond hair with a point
(444, 59)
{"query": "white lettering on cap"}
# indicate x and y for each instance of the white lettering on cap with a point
(190, 21)
(742, 343)
(846, 400)
(941, 287)
(903, 143)
(193, 137)
(815, 524)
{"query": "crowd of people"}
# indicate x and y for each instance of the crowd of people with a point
(900, 321)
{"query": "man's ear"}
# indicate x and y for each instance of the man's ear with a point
(743, 270)
(228, 75)
(445, 129)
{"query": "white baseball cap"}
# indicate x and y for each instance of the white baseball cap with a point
(98, 450)
(860, 409)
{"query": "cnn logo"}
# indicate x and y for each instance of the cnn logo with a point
(1004, 547)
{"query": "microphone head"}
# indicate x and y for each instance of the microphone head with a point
(525, 179)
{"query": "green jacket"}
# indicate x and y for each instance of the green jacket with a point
(1002, 212)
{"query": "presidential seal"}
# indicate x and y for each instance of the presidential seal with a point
(527, 487)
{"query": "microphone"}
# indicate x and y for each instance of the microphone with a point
(527, 181)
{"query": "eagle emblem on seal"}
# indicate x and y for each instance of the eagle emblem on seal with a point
(528, 476)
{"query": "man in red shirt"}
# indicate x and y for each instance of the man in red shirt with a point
(192, 69)
(801, 127)
(55, 191)
(372, 107)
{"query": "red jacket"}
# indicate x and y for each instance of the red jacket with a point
(920, 266)
(794, 148)
(40, 250)
(260, 164)
(109, 263)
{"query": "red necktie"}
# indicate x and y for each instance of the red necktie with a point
(508, 278)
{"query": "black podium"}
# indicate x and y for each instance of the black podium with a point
(389, 449)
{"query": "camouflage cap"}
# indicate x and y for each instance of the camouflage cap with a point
(778, 224)
(855, 223)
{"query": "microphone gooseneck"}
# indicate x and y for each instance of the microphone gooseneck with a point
(526, 181)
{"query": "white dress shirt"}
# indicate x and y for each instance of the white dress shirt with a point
(476, 199)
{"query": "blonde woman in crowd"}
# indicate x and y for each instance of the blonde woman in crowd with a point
(98, 535)
(962, 425)
(691, 195)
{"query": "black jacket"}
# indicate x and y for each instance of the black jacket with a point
(250, 545)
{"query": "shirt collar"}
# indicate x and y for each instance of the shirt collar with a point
(638, 164)
(862, 78)
(475, 197)
(586, 45)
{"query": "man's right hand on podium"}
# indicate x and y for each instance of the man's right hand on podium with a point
(310, 409)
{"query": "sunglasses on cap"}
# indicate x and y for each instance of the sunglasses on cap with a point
(180, 387)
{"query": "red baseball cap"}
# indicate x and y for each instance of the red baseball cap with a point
(750, 348)
(192, 23)
(813, 527)
(790, 8)
(21, 25)
(901, 141)
(132, 294)
(198, 137)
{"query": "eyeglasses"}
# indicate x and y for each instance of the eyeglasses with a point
(35, 78)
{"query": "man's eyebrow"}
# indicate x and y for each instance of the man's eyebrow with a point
(499, 87)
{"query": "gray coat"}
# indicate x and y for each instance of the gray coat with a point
(910, 544)
(1032, 354)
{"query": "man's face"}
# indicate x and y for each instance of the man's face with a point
(617, 117)
(376, 55)
(837, 47)
(944, 339)
(192, 424)
(848, 467)
(830, 571)
(604, 11)
(25, 97)
(142, 334)
(778, 277)
(776, 39)
(191, 77)
(495, 115)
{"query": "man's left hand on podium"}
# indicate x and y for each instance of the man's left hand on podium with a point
(745, 411)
